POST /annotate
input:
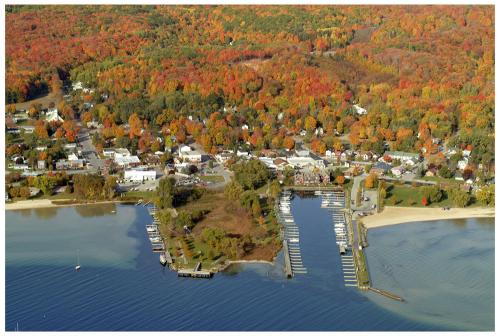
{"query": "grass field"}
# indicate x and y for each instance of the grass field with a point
(405, 195)
(212, 178)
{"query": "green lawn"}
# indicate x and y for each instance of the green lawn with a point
(412, 196)
(145, 195)
(212, 178)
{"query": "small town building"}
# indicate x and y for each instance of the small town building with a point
(41, 164)
(139, 175)
(397, 171)
(359, 110)
(52, 115)
(402, 156)
(27, 128)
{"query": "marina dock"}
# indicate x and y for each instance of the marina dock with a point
(335, 201)
(291, 237)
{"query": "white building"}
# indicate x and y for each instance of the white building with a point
(302, 162)
(397, 171)
(127, 161)
(462, 164)
(52, 115)
(359, 110)
(140, 175)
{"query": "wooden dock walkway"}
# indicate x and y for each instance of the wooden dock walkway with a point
(288, 265)
(386, 294)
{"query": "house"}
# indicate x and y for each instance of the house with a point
(431, 172)
(139, 175)
(397, 171)
(72, 157)
(69, 164)
(41, 148)
(458, 176)
(380, 168)
(13, 130)
(302, 152)
(466, 152)
(70, 146)
(365, 156)
(359, 110)
(401, 156)
(27, 128)
(462, 164)
(318, 131)
(303, 133)
(242, 153)
(108, 152)
(18, 117)
(223, 157)
(52, 115)
(41, 164)
(188, 154)
(244, 127)
(410, 162)
(77, 86)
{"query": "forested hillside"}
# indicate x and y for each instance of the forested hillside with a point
(421, 72)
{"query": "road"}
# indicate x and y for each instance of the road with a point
(218, 169)
(88, 150)
(371, 194)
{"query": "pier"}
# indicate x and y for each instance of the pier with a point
(386, 294)
(291, 239)
(336, 203)
(288, 264)
(196, 272)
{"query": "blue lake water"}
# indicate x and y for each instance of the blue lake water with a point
(123, 287)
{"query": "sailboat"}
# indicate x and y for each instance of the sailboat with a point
(77, 267)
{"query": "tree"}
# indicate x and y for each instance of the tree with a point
(166, 192)
(432, 194)
(459, 197)
(109, 187)
(251, 174)
(340, 179)
(45, 184)
(424, 201)
(445, 172)
(289, 143)
(486, 195)
(310, 124)
(371, 181)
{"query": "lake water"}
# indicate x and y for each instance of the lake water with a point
(123, 287)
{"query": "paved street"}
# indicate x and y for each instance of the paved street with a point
(88, 150)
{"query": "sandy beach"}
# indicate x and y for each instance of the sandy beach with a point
(400, 215)
(44, 203)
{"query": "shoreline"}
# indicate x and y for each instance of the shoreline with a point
(47, 203)
(401, 215)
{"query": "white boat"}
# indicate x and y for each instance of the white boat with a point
(163, 259)
(156, 239)
(77, 267)
(151, 228)
(294, 240)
